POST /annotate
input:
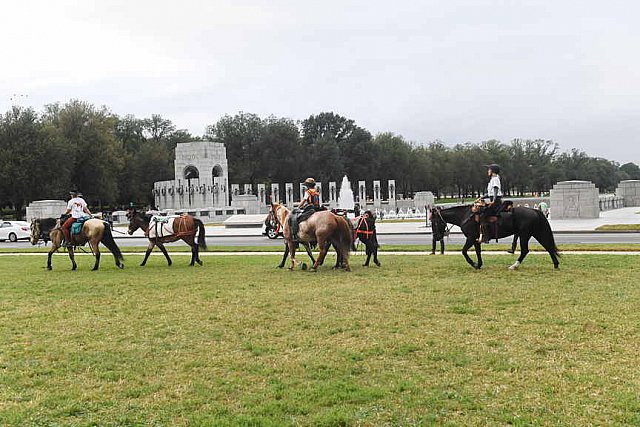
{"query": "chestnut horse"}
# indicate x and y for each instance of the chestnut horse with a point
(94, 231)
(184, 227)
(323, 227)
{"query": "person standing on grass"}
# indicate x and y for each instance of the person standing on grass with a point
(438, 231)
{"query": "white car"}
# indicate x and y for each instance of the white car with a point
(14, 230)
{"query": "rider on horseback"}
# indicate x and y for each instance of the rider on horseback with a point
(494, 194)
(307, 206)
(78, 208)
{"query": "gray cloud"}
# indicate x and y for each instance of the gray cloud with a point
(451, 70)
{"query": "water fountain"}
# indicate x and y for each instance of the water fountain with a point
(345, 199)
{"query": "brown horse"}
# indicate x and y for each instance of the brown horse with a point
(94, 231)
(182, 227)
(323, 227)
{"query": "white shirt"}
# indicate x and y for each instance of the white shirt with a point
(77, 206)
(494, 182)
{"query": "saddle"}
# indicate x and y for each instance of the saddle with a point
(76, 227)
(297, 216)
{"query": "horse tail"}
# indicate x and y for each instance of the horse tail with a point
(107, 240)
(201, 233)
(344, 234)
(545, 234)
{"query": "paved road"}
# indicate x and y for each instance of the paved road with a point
(388, 239)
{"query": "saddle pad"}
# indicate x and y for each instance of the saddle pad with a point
(162, 227)
(76, 227)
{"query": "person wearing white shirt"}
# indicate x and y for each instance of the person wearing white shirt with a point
(77, 207)
(494, 194)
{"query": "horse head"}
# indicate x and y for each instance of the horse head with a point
(136, 220)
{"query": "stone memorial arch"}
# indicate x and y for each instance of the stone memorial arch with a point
(201, 178)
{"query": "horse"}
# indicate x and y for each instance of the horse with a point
(365, 231)
(324, 228)
(183, 227)
(520, 221)
(94, 231)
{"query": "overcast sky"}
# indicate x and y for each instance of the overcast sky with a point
(451, 70)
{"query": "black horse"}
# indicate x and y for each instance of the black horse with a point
(365, 231)
(523, 222)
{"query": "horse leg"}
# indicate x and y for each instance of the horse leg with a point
(284, 257)
(147, 253)
(96, 252)
(524, 250)
(292, 254)
(367, 246)
(164, 251)
(53, 249)
(195, 257)
(196, 248)
(74, 266)
(478, 248)
(324, 248)
(309, 252)
(375, 256)
(470, 242)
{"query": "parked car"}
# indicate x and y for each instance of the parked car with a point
(14, 230)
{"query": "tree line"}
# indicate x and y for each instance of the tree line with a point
(114, 160)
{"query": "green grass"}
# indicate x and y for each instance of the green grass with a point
(619, 227)
(420, 341)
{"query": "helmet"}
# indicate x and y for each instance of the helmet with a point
(73, 192)
(493, 167)
(310, 182)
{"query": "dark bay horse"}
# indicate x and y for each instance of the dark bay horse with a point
(94, 231)
(324, 228)
(182, 227)
(520, 221)
(365, 231)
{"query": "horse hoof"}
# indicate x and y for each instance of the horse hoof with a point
(303, 266)
(378, 264)
(347, 269)
(49, 268)
(199, 262)
(120, 266)
(142, 265)
(365, 265)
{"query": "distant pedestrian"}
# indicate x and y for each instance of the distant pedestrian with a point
(438, 230)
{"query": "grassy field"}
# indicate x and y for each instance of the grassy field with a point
(420, 341)
(619, 227)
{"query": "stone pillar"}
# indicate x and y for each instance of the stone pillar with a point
(319, 188)
(302, 191)
(248, 189)
(362, 193)
(574, 200)
(333, 194)
(629, 191)
(275, 193)
(235, 191)
(422, 199)
(391, 185)
(262, 194)
(377, 194)
(288, 189)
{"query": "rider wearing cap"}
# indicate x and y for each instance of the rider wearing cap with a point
(494, 194)
(78, 208)
(307, 206)
(312, 197)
